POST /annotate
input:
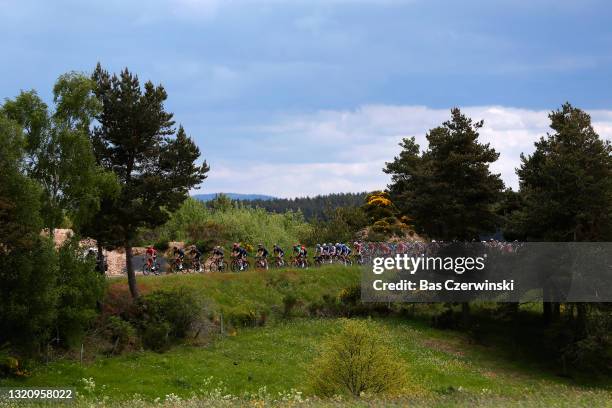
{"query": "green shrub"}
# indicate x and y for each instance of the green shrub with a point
(243, 318)
(162, 245)
(585, 347)
(289, 303)
(350, 296)
(177, 310)
(81, 289)
(446, 320)
(357, 360)
(121, 333)
(156, 336)
(234, 223)
(328, 306)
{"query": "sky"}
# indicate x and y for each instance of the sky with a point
(302, 97)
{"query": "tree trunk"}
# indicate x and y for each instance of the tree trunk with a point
(547, 312)
(131, 274)
(556, 311)
(465, 313)
(100, 263)
(581, 318)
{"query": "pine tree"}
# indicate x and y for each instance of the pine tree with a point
(566, 189)
(155, 170)
(566, 184)
(448, 190)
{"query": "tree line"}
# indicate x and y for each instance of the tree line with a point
(319, 207)
(565, 195)
(107, 159)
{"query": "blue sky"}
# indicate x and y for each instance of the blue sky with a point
(301, 97)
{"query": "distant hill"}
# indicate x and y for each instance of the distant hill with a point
(233, 196)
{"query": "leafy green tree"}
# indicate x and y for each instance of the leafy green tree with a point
(448, 190)
(341, 225)
(134, 140)
(59, 153)
(221, 202)
(28, 267)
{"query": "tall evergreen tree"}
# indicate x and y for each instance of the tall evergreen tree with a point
(566, 184)
(448, 190)
(134, 140)
(566, 189)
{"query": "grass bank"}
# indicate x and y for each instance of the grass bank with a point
(267, 365)
(443, 367)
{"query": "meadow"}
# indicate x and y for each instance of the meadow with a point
(267, 363)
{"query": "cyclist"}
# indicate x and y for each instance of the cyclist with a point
(179, 255)
(218, 252)
(297, 253)
(358, 251)
(196, 256)
(332, 252)
(304, 255)
(262, 255)
(324, 252)
(278, 254)
(151, 255)
(318, 255)
(345, 252)
(217, 257)
(240, 254)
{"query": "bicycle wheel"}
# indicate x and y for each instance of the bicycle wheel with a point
(145, 269)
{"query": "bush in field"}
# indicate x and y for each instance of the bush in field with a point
(81, 288)
(588, 348)
(195, 221)
(289, 303)
(357, 360)
(167, 315)
(122, 334)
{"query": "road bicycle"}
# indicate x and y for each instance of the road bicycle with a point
(279, 262)
(239, 265)
(214, 263)
(151, 267)
(261, 262)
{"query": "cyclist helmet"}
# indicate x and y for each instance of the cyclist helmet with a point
(235, 245)
(260, 245)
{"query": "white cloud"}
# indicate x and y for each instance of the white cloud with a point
(333, 151)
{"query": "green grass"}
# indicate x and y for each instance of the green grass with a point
(440, 365)
(445, 368)
(255, 291)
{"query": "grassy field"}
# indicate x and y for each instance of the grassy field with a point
(256, 364)
(258, 293)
